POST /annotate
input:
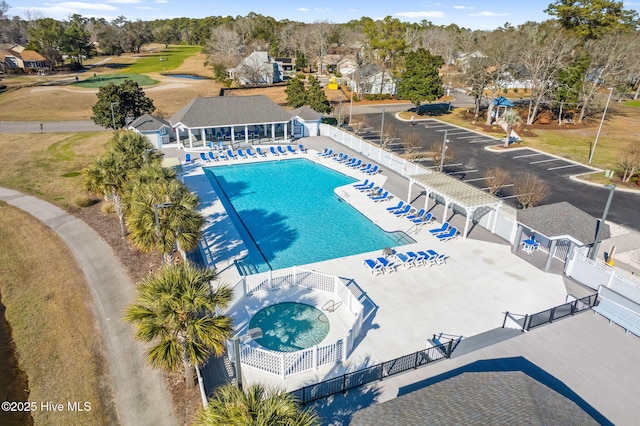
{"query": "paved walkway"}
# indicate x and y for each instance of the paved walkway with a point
(140, 393)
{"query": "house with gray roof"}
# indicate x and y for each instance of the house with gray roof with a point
(231, 120)
(158, 131)
(259, 68)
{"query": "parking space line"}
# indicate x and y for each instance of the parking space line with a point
(528, 155)
(473, 180)
(484, 141)
(546, 161)
(501, 186)
(564, 167)
(453, 165)
(462, 171)
(468, 137)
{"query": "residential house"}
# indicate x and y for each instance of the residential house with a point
(332, 64)
(259, 68)
(370, 80)
(14, 57)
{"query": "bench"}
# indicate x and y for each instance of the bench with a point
(620, 315)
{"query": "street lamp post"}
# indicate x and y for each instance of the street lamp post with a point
(382, 129)
(593, 149)
(155, 212)
(113, 117)
(600, 224)
(444, 147)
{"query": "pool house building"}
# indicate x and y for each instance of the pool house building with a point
(231, 121)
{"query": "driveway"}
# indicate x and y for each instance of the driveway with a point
(140, 393)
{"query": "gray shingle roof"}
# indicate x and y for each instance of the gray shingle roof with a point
(306, 113)
(478, 398)
(561, 219)
(221, 111)
(148, 123)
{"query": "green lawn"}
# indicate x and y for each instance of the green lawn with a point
(103, 80)
(167, 60)
(160, 62)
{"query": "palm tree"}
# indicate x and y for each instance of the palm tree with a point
(257, 406)
(512, 119)
(178, 221)
(175, 311)
(135, 148)
(107, 177)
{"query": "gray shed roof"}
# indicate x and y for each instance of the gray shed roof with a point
(148, 123)
(306, 113)
(494, 397)
(221, 111)
(460, 193)
(562, 219)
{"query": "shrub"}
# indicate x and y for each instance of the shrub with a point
(83, 200)
(515, 90)
(108, 208)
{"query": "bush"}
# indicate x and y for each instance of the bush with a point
(83, 200)
(515, 90)
(108, 208)
(301, 76)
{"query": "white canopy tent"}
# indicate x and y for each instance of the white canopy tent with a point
(454, 191)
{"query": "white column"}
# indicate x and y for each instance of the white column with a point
(190, 139)
(203, 136)
(246, 133)
(409, 191)
(273, 132)
(469, 213)
(286, 130)
(446, 207)
(426, 198)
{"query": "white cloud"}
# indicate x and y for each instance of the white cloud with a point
(463, 7)
(489, 14)
(303, 9)
(162, 1)
(124, 1)
(423, 14)
(77, 5)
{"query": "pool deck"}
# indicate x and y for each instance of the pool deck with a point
(466, 296)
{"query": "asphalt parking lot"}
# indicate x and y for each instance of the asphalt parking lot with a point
(471, 161)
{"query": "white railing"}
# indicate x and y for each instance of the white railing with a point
(284, 364)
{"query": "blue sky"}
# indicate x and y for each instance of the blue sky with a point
(474, 14)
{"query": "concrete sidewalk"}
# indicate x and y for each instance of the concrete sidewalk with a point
(140, 393)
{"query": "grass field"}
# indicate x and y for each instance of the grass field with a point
(47, 304)
(103, 80)
(48, 165)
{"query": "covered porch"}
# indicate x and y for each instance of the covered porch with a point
(473, 202)
(231, 122)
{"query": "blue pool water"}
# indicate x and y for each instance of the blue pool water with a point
(290, 326)
(288, 213)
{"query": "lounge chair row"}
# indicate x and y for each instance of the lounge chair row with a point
(445, 233)
(229, 154)
(412, 259)
(375, 193)
(352, 162)
(416, 217)
(382, 265)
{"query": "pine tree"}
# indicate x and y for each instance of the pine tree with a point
(421, 81)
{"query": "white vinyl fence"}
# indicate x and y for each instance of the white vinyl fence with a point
(596, 273)
(284, 364)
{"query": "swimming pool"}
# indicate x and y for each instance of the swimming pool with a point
(290, 326)
(288, 214)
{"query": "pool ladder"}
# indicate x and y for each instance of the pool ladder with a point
(331, 305)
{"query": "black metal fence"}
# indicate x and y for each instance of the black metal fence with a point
(557, 312)
(374, 373)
